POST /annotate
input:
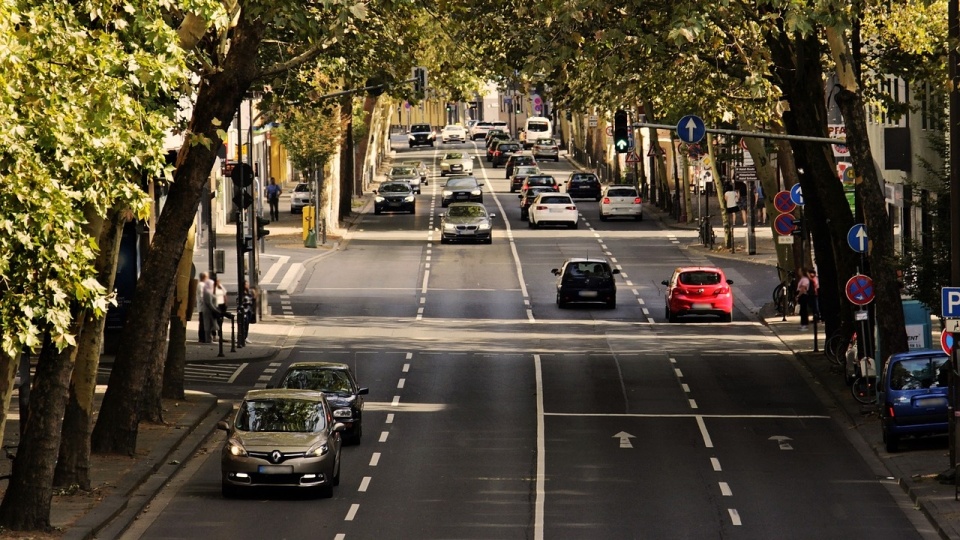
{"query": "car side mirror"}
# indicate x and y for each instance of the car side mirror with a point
(374, 192)
(363, 391)
(339, 428)
(615, 271)
(665, 282)
(224, 425)
(555, 271)
(492, 216)
(729, 282)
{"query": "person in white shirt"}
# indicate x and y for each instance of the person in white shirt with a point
(731, 200)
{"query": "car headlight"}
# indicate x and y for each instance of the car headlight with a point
(484, 226)
(475, 192)
(379, 198)
(408, 198)
(318, 450)
(449, 227)
(447, 193)
(410, 137)
(235, 448)
(342, 413)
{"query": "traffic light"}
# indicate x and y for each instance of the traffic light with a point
(419, 80)
(247, 244)
(261, 227)
(519, 106)
(242, 199)
(621, 133)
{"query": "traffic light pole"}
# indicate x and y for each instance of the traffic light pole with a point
(241, 279)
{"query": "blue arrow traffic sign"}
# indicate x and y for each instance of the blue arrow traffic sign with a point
(691, 129)
(857, 238)
(796, 195)
(859, 290)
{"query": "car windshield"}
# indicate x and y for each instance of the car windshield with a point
(302, 188)
(524, 160)
(461, 183)
(508, 147)
(534, 191)
(589, 268)
(541, 180)
(325, 380)
(467, 211)
(622, 192)
(281, 415)
(578, 179)
(420, 127)
(402, 171)
(546, 142)
(699, 278)
(526, 170)
(413, 164)
(555, 199)
(918, 373)
(454, 155)
(394, 187)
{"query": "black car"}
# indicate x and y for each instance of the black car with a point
(421, 135)
(503, 151)
(518, 159)
(466, 222)
(495, 134)
(544, 180)
(461, 189)
(527, 199)
(586, 280)
(396, 197)
(340, 387)
(492, 143)
(584, 186)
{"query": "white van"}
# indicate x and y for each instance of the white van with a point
(538, 127)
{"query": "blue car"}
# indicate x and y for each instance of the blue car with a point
(913, 394)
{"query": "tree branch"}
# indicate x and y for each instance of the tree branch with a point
(302, 58)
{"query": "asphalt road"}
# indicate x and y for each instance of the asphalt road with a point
(494, 414)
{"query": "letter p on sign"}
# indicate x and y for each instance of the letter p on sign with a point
(950, 299)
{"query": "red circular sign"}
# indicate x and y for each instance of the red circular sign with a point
(946, 341)
(859, 290)
(784, 224)
(783, 202)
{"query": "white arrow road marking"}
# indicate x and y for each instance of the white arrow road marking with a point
(782, 441)
(624, 439)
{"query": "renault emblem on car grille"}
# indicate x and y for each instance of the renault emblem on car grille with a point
(276, 456)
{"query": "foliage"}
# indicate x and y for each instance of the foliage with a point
(72, 74)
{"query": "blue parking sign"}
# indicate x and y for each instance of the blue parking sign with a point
(950, 301)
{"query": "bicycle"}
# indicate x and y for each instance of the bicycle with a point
(837, 346)
(864, 387)
(787, 287)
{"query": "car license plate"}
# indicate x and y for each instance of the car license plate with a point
(275, 469)
(463, 196)
(466, 232)
(588, 294)
(556, 210)
(456, 168)
(702, 306)
(930, 402)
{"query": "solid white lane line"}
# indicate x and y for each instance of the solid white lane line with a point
(352, 513)
(725, 489)
(384, 435)
(541, 458)
(734, 516)
(364, 484)
(704, 433)
(715, 463)
(401, 382)
(375, 459)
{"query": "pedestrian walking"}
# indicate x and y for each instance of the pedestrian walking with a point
(803, 288)
(273, 199)
(743, 201)
(759, 204)
(208, 308)
(813, 294)
(201, 326)
(731, 201)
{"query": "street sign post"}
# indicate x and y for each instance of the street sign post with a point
(691, 129)
(857, 238)
(860, 290)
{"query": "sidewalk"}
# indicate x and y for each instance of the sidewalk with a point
(123, 486)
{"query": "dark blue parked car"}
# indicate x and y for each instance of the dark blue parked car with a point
(913, 395)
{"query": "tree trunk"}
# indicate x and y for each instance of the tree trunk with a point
(361, 162)
(173, 369)
(73, 463)
(798, 71)
(26, 503)
(347, 171)
(144, 332)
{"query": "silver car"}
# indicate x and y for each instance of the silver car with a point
(466, 222)
(456, 163)
(281, 438)
(546, 149)
(619, 200)
(420, 167)
(405, 174)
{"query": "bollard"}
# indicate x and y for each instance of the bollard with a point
(219, 337)
(816, 347)
(233, 339)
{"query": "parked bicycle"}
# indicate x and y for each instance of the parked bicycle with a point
(837, 346)
(707, 235)
(785, 293)
(864, 387)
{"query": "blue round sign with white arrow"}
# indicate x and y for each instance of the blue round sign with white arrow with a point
(691, 129)
(796, 195)
(857, 238)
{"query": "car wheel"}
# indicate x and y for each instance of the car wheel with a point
(325, 492)
(411, 146)
(523, 217)
(640, 216)
(442, 174)
(488, 240)
(531, 224)
(727, 317)
(431, 145)
(444, 204)
(556, 159)
(670, 316)
(336, 475)
(229, 491)
(377, 211)
(560, 303)
(413, 209)
(612, 303)
(603, 217)
(575, 224)
(444, 241)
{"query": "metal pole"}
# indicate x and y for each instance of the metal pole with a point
(255, 211)
(953, 32)
(241, 281)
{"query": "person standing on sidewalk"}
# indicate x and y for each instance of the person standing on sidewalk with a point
(759, 204)
(813, 294)
(273, 198)
(201, 319)
(803, 288)
(731, 201)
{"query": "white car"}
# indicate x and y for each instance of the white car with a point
(479, 130)
(553, 209)
(617, 201)
(300, 197)
(453, 133)
(456, 163)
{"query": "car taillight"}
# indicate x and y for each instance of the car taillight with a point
(541, 207)
(496, 152)
(570, 208)
(721, 290)
(890, 412)
(606, 200)
(638, 200)
(556, 188)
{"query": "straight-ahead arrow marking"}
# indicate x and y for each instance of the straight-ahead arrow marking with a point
(624, 439)
(782, 441)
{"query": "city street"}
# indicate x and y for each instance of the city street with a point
(495, 414)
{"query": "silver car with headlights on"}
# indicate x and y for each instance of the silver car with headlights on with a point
(281, 438)
(456, 163)
(466, 222)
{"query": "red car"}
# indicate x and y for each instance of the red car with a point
(699, 290)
